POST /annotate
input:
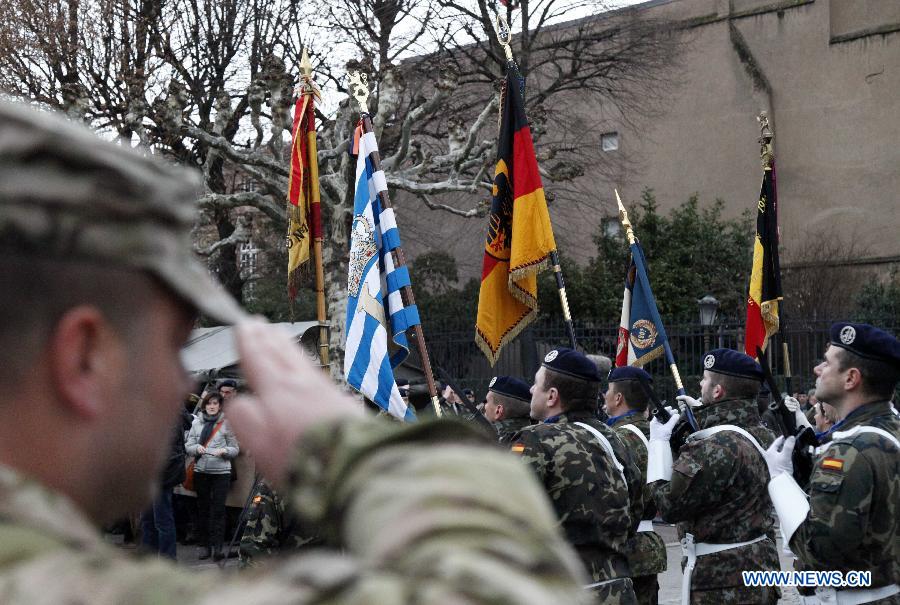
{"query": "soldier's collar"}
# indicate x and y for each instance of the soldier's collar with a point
(614, 419)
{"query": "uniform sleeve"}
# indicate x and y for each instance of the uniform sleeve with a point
(695, 485)
(260, 537)
(527, 446)
(840, 500)
(398, 501)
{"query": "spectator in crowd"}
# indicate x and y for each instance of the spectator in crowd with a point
(470, 395)
(213, 445)
(158, 522)
(228, 389)
(825, 418)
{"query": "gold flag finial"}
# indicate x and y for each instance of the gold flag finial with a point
(504, 35)
(359, 89)
(305, 65)
(766, 150)
(623, 216)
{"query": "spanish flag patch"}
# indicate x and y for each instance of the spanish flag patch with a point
(833, 464)
(518, 448)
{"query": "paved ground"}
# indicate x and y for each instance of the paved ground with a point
(669, 582)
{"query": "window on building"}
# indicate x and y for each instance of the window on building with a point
(609, 141)
(247, 255)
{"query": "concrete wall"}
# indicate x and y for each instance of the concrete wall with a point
(828, 73)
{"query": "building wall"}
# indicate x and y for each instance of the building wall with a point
(828, 74)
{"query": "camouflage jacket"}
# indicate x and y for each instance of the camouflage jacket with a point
(483, 535)
(594, 506)
(272, 528)
(646, 550)
(508, 428)
(718, 493)
(854, 499)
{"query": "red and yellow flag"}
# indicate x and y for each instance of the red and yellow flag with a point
(519, 238)
(765, 280)
(304, 215)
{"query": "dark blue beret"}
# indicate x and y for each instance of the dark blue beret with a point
(571, 363)
(629, 373)
(732, 363)
(511, 387)
(866, 341)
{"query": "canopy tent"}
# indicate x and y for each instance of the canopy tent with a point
(212, 353)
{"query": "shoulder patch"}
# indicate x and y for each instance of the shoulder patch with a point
(833, 464)
(517, 448)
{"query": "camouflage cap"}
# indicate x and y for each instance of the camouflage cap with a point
(66, 194)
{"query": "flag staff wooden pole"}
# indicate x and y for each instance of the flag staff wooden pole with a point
(321, 313)
(767, 157)
(359, 86)
(504, 35)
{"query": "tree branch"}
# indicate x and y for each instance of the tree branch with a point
(478, 211)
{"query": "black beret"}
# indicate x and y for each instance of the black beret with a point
(228, 383)
(866, 341)
(510, 387)
(402, 382)
(629, 373)
(732, 363)
(571, 363)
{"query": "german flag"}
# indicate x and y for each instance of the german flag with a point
(519, 237)
(304, 214)
(765, 280)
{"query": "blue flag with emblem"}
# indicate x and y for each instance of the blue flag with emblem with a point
(377, 319)
(642, 337)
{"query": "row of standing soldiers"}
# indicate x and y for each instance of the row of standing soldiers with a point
(723, 479)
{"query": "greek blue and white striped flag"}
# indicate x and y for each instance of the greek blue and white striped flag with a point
(374, 307)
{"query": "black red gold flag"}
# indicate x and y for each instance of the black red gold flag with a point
(765, 279)
(520, 236)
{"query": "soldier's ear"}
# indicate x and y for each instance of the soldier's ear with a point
(853, 379)
(84, 355)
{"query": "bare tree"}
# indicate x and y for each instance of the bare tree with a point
(210, 84)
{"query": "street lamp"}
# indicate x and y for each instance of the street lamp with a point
(709, 308)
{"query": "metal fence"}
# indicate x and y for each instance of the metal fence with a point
(452, 347)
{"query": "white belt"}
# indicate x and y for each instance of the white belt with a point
(692, 551)
(645, 525)
(599, 584)
(850, 596)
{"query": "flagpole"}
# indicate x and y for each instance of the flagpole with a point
(360, 92)
(632, 242)
(504, 35)
(321, 313)
(767, 156)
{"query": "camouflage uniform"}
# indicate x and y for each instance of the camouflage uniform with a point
(272, 528)
(854, 500)
(718, 494)
(646, 551)
(371, 486)
(597, 511)
(509, 428)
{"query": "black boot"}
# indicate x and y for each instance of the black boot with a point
(218, 555)
(203, 552)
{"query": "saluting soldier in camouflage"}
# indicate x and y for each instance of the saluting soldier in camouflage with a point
(507, 406)
(592, 480)
(714, 491)
(272, 528)
(850, 518)
(625, 405)
(99, 293)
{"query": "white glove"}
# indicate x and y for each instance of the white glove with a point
(778, 456)
(794, 406)
(663, 432)
(689, 401)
